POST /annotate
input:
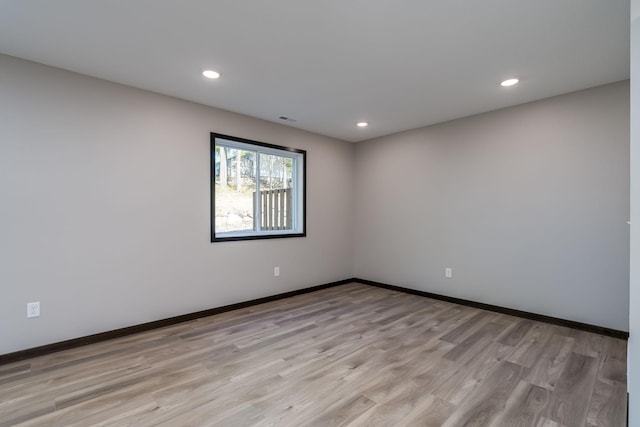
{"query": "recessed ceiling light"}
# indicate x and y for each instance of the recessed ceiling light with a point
(509, 82)
(210, 74)
(362, 124)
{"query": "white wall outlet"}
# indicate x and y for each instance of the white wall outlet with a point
(33, 309)
(448, 273)
(276, 271)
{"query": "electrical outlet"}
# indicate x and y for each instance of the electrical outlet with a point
(276, 271)
(448, 273)
(33, 309)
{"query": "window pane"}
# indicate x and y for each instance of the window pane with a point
(235, 186)
(276, 193)
(257, 190)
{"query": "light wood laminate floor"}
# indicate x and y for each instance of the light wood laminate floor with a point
(351, 355)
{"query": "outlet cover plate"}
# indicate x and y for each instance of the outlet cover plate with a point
(33, 309)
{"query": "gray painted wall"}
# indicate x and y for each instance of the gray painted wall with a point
(104, 208)
(633, 359)
(528, 206)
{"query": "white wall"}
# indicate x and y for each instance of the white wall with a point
(633, 359)
(528, 205)
(104, 208)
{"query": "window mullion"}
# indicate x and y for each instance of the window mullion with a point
(258, 208)
(294, 195)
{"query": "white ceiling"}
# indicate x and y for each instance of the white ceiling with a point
(328, 64)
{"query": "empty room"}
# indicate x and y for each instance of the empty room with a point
(334, 213)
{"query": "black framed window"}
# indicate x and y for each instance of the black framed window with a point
(257, 190)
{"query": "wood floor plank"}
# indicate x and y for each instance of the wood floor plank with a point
(547, 370)
(587, 343)
(431, 412)
(570, 398)
(14, 369)
(545, 422)
(407, 403)
(476, 342)
(613, 368)
(524, 407)
(465, 381)
(352, 355)
(527, 352)
(460, 332)
(482, 407)
(342, 413)
(607, 407)
(512, 336)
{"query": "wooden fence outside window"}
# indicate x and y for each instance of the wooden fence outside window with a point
(276, 209)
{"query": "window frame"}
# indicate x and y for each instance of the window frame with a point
(300, 189)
